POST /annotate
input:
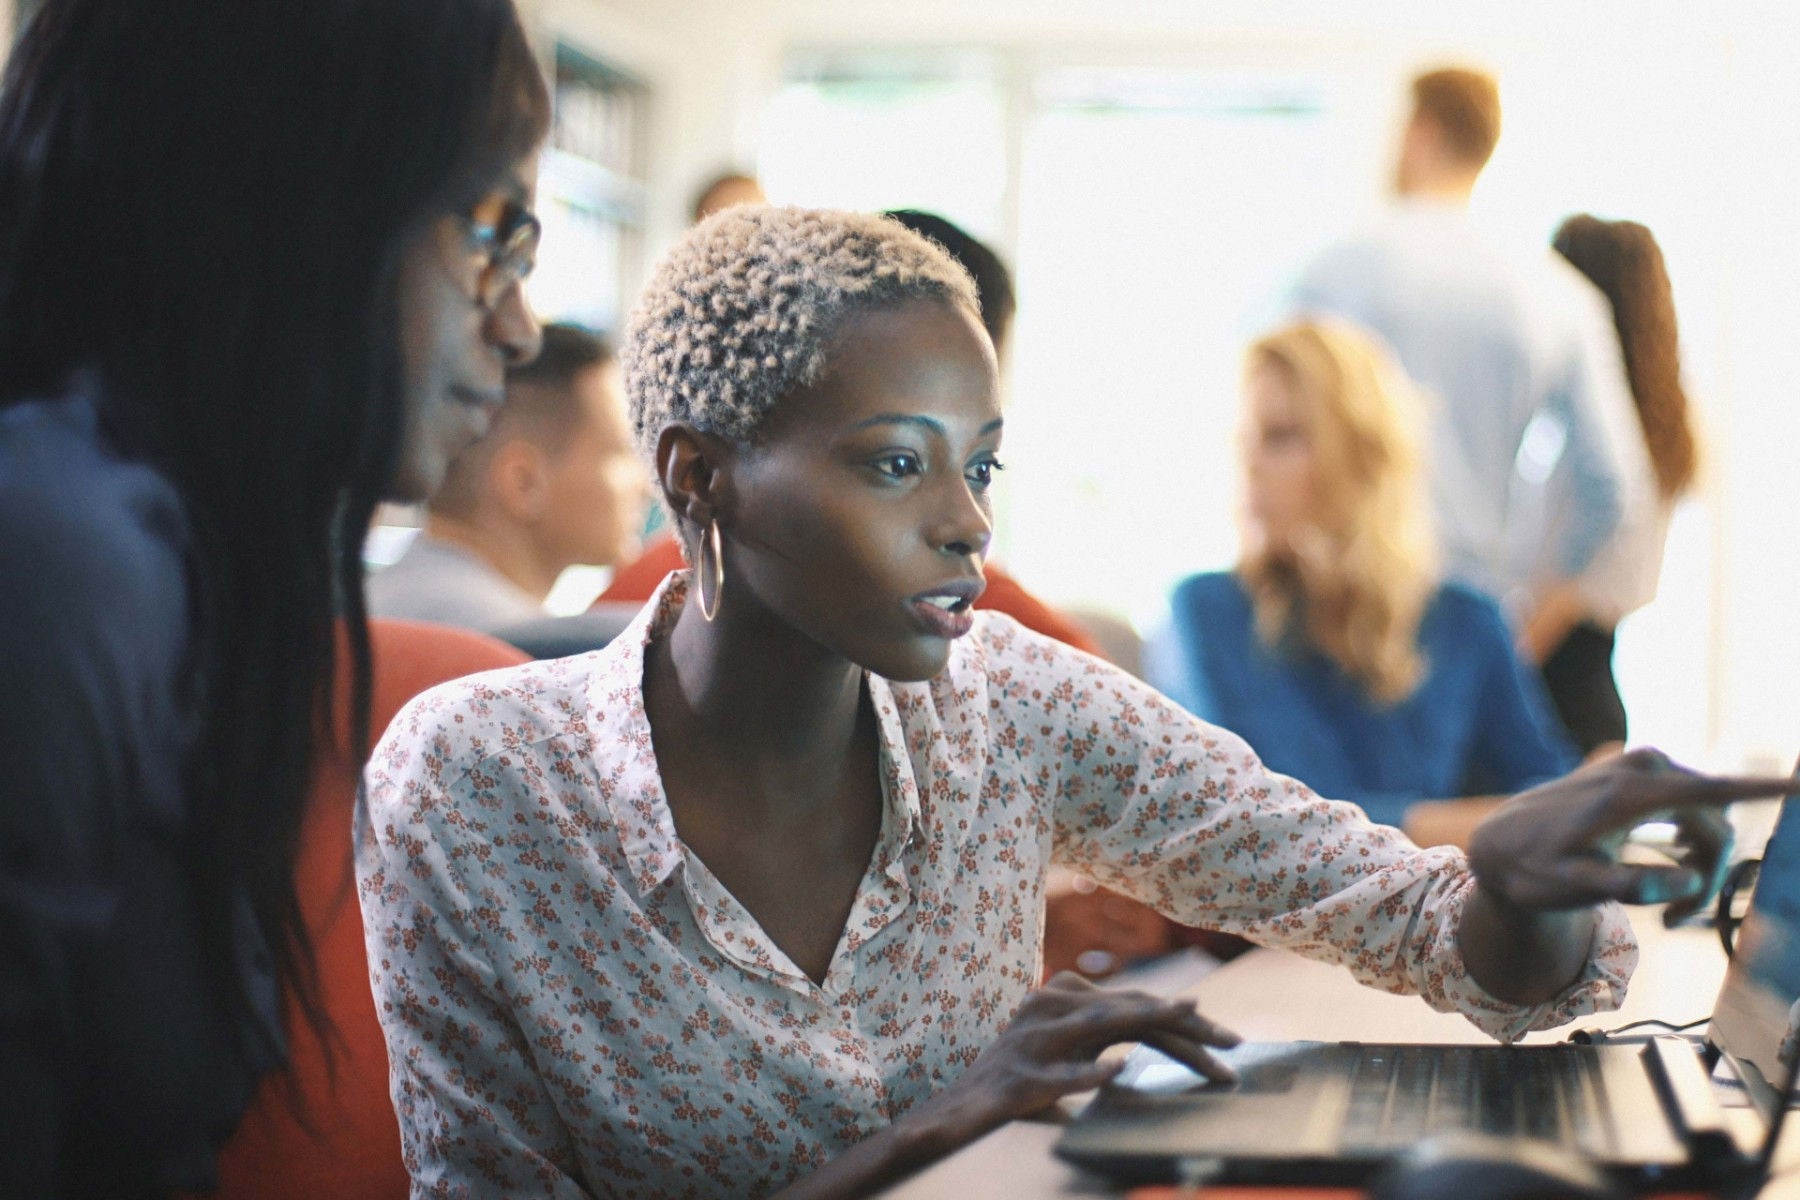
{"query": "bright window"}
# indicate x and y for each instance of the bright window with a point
(926, 134)
(1146, 248)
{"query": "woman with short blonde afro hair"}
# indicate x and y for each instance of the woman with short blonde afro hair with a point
(743, 310)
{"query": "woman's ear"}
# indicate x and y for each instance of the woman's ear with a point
(693, 469)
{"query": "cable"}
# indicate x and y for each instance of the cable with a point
(1587, 1037)
(1664, 1024)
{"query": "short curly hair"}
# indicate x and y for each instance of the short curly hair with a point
(744, 309)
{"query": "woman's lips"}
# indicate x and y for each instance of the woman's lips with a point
(941, 622)
(947, 611)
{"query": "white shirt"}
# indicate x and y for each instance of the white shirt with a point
(1498, 339)
(575, 1006)
(1624, 576)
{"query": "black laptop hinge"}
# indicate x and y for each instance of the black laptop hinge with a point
(1674, 1065)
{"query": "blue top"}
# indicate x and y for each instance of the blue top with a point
(1478, 713)
(119, 1074)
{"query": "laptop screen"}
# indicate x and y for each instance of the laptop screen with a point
(1752, 1015)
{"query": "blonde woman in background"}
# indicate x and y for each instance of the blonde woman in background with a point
(1334, 648)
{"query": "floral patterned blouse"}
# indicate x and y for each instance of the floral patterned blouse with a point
(575, 1006)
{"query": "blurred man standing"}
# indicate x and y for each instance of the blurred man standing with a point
(555, 483)
(1517, 348)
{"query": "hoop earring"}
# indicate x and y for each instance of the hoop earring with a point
(709, 611)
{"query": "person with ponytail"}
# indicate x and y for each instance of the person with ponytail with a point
(1572, 633)
(260, 268)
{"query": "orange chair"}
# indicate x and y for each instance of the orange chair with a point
(324, 1127)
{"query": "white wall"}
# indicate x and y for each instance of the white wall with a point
(1695, 105)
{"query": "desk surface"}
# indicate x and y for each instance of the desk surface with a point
(1272, 995)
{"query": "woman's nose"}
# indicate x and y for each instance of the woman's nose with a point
(513, 328)
(967, 529)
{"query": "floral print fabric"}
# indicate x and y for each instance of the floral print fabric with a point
(575, 1006)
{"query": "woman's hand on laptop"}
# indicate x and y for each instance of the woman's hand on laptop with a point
(1544, 858)
(1047, 1052)
(1051, 1049)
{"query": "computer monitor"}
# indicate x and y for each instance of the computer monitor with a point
(1759, 1003)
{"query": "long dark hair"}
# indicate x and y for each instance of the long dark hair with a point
(203, 205)
(1624, 261)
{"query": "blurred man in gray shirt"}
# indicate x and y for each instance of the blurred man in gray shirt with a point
(1516, 350)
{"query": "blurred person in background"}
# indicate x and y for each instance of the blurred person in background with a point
(634, 582)
(1507, 343)
(1572, 631)
(239, 305)
(725, 191)
(1333, 647)
(555, 483)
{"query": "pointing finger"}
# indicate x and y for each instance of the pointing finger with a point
(1640, 796)
(1677, 789)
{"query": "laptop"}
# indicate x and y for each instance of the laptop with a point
(1323, 1113)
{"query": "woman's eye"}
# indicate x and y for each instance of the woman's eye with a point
(982, 473)
(899, 465)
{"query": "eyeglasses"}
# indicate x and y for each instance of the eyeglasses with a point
(506, 235)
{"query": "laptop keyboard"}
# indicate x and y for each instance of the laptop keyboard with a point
(1401, 1094)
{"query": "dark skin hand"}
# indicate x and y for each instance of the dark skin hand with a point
(1545, 858)
(1047, 1052)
